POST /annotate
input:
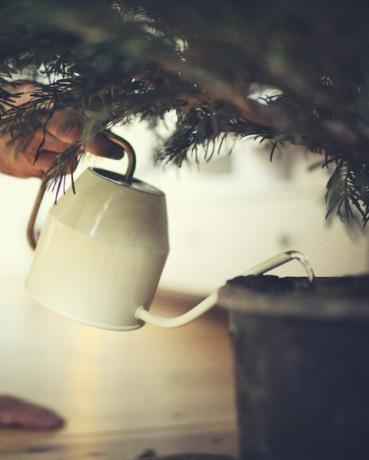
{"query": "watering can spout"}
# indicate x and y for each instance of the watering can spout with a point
(143, 315)
(177, 321)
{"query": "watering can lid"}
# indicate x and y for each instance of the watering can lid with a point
(119, 179)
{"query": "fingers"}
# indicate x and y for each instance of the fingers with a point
(100, 145)
(47, 141)
(64, 128)
(36, 156)
(66, 125)
(45, 161)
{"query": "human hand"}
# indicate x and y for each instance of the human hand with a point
(63, 129)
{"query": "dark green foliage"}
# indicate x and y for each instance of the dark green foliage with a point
(115, 61)
(348, 192)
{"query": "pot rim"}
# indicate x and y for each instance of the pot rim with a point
(329, 297)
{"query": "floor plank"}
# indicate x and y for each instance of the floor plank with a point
(127, 445)
(151, 388)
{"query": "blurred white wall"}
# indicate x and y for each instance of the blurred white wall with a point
(223, 217)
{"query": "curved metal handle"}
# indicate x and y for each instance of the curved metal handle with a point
(128, 176)
(128, 149)
(31, 233)
(211, 300)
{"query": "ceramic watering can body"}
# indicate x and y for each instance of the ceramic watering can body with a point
(102, 251)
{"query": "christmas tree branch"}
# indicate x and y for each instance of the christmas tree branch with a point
(114, 61)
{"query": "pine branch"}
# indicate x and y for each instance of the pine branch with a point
(347, 193)
(115, 61)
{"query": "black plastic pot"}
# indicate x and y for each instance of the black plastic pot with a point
(302, 367)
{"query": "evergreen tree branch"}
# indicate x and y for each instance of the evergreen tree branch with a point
(115, 61)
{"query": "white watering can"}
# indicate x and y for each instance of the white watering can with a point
(102, 250)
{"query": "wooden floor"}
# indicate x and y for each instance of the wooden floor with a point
(121, 392)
